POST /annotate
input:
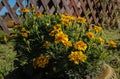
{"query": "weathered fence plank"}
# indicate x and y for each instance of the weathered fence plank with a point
(5, 29)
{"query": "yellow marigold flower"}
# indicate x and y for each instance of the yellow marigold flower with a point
(68, 17)
(77, 56)
(112, 44)
(57, 28)
(90, 34)
(67, 43)
(101, 40)
(65, 21)
(72, 18)
(24, 32)
(38, 14)
(97, 28)
(80, 45)
(41, 61)
(10, 24)
(81, 20)
(61, 37)
(25, 10)
(63, 16)
(25, 35)
(46, 44)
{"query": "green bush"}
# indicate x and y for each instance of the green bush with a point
(59, 45)
(7, 57)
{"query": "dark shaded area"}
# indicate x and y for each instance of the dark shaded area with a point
(39, 3)
(27, 72)
(21, 73)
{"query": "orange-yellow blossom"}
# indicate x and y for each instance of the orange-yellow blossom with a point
(61, 37)
(81, 20)
(80, 45)
(77, 56)
(101, 40)
(97, 28)
(25, 10)
(41, 61)
(90, 34)
(112, 44)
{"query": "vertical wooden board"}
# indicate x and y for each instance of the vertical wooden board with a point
(4, 27)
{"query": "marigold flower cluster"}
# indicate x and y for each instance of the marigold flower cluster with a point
(25, 10)
(97, 28)
(61, 37)
(65, 18)
(55, 29)
(81, 20)
(38, 14)
(101, 40)
(90, 34)
(77, 57)
(80, 45)
(112, 44)
(10, 24)
(41, 61)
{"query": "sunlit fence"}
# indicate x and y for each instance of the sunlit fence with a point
(104, 12)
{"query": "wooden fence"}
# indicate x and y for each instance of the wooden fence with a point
(95, 11)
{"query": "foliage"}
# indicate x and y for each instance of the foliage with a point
(59, 45)
(7, 57)
(113, 59)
